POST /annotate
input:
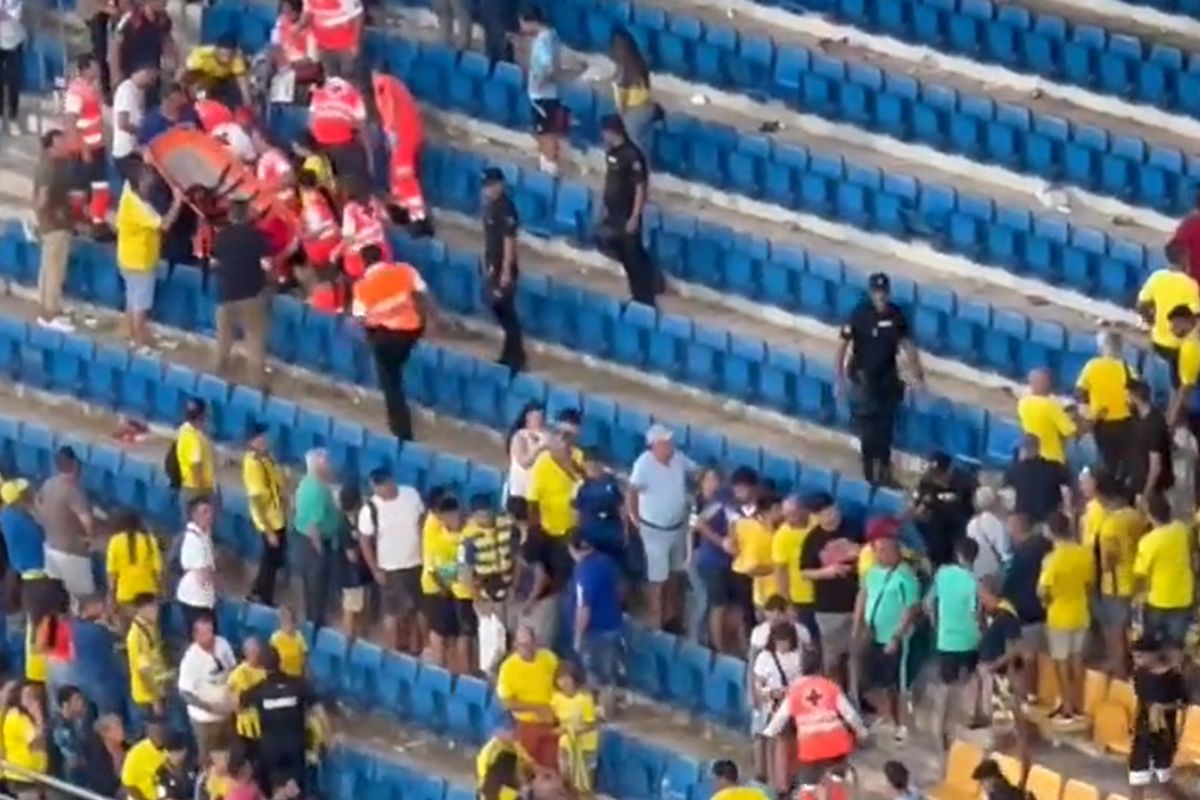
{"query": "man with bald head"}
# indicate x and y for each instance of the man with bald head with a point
(1043, 416)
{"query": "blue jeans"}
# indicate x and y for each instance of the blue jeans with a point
(696, 605)
(1168, 625)
(600, 655)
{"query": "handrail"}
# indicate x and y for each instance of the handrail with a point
(48, 781)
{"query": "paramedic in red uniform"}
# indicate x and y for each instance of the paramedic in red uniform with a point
(337, 26)
(84, 112)
(336, 118)
(294, 49)
(320, 235)
(273, 169)
(828, 730)
(393, 305)
(401, 121)
(362, 226)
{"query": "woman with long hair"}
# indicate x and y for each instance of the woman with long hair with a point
(631, 91)
(133, 562)
(527, 438)
(23, 730)
(773, 670)
(713, 564)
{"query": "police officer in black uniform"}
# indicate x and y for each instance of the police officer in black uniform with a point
(875, 334)
(620, 232)
(500, 265)
(283, 703)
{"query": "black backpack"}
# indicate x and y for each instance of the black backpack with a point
(171, 466)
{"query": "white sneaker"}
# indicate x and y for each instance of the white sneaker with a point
(547, 166)
(14, 128)
(59, 323)
(901, 733)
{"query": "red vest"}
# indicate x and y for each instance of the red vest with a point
(293, 41)
(336, 24)
(821, 733)
(362, 224)
(83, 102)
(274, 171)
(319, 231)
(335, 112)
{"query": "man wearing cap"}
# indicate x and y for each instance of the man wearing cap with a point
(66, 516)
(620, 233)
(1161, 692)
(25, 542)
(874, 336)
(500, 265)
(659, 504)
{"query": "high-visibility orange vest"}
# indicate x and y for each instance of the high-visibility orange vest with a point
(335, 112)
(335, 23)
(385, 297)
(362, 225)
(821, 733)
(83, 102)
(295, 43)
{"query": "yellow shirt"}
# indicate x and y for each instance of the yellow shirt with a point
(203, 59)
(439, 559)
(739, 793)
(139, 574)
(785, 552)
(527, 681)
(1068, 574)
(139, 233)
(553, 489)
(142, 763)
(494, 748)
(1189, 360)
(36, 668)
(144, 648)
(292, 650)
(1094, 514)
(1104, 379)
(319, 166)
(20, 733)
(1166, 289)
(575, 712)
(1045, 418)
(242, 679)
(217, 786)
(753, 542)
(1164, 562)
(192, 446)
(263, 481)
(1118, 540)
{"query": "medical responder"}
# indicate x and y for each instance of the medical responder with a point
(83, 109)
(337, 115)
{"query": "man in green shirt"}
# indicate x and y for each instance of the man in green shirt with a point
(317, 519)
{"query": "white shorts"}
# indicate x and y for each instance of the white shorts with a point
(74, 571)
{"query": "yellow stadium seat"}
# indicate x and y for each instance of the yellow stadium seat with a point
(1188, 753)
(1078, 790)
(1111, 726)
(1043, 784)
(1011, 768)
(1048, 691)
(958, 784)
(1121, 693)
(1115, 796)
(1095, 689)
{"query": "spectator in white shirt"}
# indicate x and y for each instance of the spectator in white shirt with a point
(203, 685)
(988, 531)
(774, 668)
(526, 442)
(129, 106)
(12, 41)
(775, 610)
(389, 528)
(197, 591)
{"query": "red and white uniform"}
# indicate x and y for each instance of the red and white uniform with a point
(336, 112)
(319, 235)
(336, 24)
(274, 172)
(293, 43)
(362, 225)
(402, 123)
(826, 726)
(212, 114)
(84, 106)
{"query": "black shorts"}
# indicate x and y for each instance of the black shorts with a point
(549, 116)
(518, 508)
(883, 668)
(495, 588)
(957, 667)
(400, 591)
(720, 586)
(813, 773)
(1152, 752)
(468, 620)
(450, 617)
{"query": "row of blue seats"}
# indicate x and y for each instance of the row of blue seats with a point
(447, 381)
(826, 184)
(1045, 44)
(1014, 136)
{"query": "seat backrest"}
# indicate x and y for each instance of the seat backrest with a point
(1079, 790)
(964, 757)
(1043, 783)
(1009, 767)
(1121, 693)
(1095, 687)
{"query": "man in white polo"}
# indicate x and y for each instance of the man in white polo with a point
(389, 525)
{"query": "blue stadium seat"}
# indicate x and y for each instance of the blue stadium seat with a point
(327, 661)
(689, 674)
(361, 674)
(430, 697)
(725, 691)
(260, 621)
(651, 654)
(466, 710)
(395, 684)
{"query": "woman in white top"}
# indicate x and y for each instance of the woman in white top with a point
(525, 442)
(773, 670)
(197, 591)
(12, 40)
(988, 531)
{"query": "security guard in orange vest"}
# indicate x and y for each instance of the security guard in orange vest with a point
(393, 305)
(828, 729)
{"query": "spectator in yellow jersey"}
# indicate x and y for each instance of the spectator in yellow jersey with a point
(263, 482)
(139, 774)
(1101, 390)
(1117, 531)
(449, 606)
(139, 246)
(220, 71)
(1165, 290)
(133, 562)
(785, 554)
(290, 645)
(244, 677)
(578, 741)
(553, 478)
(194, 451)
(750, 545)
(148, 673)
(25, 736)
(1065, 585)
(728, 784)
(1163, 568)
(525, 686)
(1043, 415)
